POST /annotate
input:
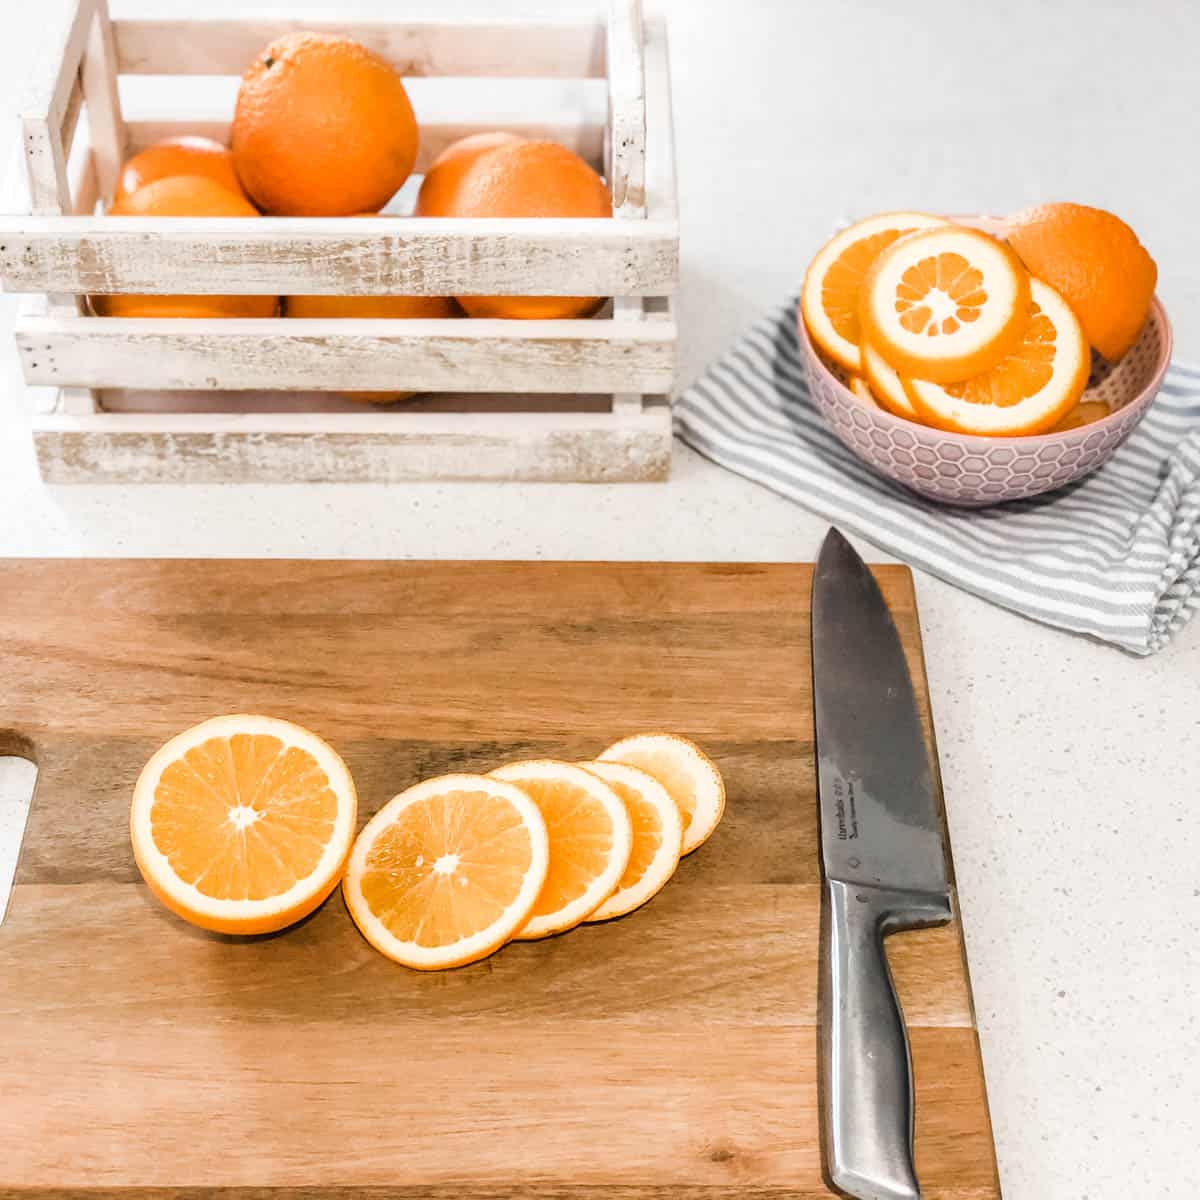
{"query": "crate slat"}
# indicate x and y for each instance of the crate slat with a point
(349, 354)
(106, 128)
(662, 199)
(70, 118)
(627, 107)
(52, 78)
(586, 138)
(85, 192)
(384, 447)
(339, 256)
(227, 45)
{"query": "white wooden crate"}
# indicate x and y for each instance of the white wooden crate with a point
(188, 400)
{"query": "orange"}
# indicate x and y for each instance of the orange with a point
(862, 389)
(688, 774)
(657, 837)
(945, 303)
(323, 127)
(591, 837)
(1084, 413)
(829, 300)
(372, 307)
(391, 307)
(1030, 391)
(178, 156)
(1095, 261)
(242, 824)
(447, 871)
(886, 384)
(447, 170)
(530, 179)
(184, 196)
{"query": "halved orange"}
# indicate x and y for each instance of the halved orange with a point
(685, 771)
(945, 303)
(590, 834)
(862, 389)
(1096, 263)
(447, 871)
(657, 837)
(242, 824)
(1030, 391)
(829, 300)
(886, 384)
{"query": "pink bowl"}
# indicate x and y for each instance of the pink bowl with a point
(956, 468)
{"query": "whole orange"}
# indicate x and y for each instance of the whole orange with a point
(1095, 261)
(184, 196)
(372, 306)
(530, 179)
(447, 170)
(178, 156)
(323, 127)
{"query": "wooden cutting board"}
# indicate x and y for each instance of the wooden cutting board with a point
(669, 1054)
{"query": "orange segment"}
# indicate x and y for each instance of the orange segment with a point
(242, 824)
(886, 384)
(1029, 391)
(590, 835)
(687, 773)
(945, 303)
(829, 300)
(1096, 263)
(447, 871)
(657, 837)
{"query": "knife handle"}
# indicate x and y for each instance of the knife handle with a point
(867, 1093)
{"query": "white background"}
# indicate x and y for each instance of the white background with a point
(1072, 771)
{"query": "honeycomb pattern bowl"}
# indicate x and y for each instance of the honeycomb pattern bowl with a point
(956, 468)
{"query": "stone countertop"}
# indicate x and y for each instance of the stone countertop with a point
(1071, 769)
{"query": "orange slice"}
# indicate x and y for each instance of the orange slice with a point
(657, 837)
(829, 300)
(945, 303)
(862, 389)
(242, 824)
(447, 871)
(886, 384)
(590, 834)
(1084, 413)
(1039, 382)
(685, 771)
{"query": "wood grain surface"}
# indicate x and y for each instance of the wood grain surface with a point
(356, 354)
(347, 256)
(555, 445)
(671, 1053)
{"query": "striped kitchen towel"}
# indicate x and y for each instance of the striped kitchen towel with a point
(1117, 557)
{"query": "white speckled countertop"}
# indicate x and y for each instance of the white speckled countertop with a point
(1072, 771)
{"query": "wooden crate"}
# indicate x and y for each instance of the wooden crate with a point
(263, 400)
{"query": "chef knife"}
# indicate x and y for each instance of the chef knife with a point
(885, 870)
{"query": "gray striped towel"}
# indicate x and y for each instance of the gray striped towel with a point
(1117, 557)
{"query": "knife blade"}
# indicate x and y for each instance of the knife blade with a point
(885, 870)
